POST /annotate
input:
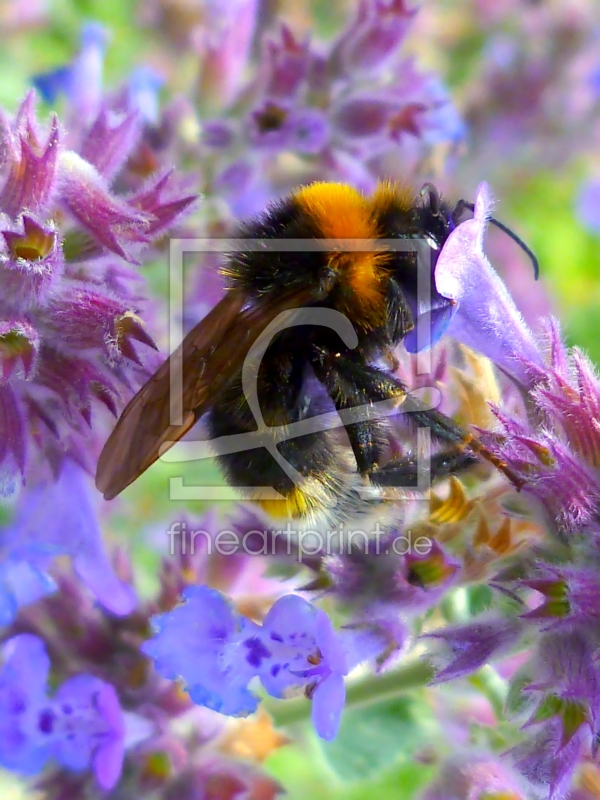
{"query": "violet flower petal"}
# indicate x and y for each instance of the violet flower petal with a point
(327, 705)
(486, 318)
(59, 517)
(31, 179)
(199, 642)
(88, 728)
(110, 220)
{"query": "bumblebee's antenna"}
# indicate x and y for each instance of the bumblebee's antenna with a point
(462, 204)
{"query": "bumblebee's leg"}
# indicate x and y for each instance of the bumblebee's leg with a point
(399, 317)
(351, 383)
(405, 472)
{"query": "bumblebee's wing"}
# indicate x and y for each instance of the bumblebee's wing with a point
(200, 368)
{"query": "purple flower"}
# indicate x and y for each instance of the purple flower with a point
(57, 518)
(571, 595)
(475, 776)
(360, 117)
(561, 689)
(285, 66)
(19, 346)
(110, 220)
(313, 102)
(23, 580)
(218, 134)
(109, 141)
(559, 457)
(85, 724)
(89, 319)
(474, 644)
(31, 264)
(244, 188)
(568, 394)
(378, 583)
(67, 329)
(566, 487)
(566, 684)
(302, 130)
(31, 166)
(443, 122)
(164, 200)
(373, 37)
(546, 763)
(198, 642)
(80, 727)
(298, 649)
(224, 45)
(217, 652)
(371, 124)
(481, 314)
(424, 579)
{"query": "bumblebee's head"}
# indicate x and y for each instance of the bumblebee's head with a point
(439, 218)
(436, 219)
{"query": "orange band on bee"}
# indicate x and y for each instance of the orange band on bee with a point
(341, 212)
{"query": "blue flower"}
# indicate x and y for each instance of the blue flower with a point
(80, 81)
(302, 650)
(80, 727)
(57, 519)
(23, 580)
(217, 652)
(200, 642)
(143, 89)
(84, 724)
(22, 694)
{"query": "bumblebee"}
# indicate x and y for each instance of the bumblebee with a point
(335, 473)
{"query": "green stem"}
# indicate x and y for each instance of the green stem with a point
(492, 686)
(362, 692)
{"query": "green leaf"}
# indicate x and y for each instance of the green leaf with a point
(6, 514)
(517, 699)
(373, 738)
(479, 599)
(303, 774)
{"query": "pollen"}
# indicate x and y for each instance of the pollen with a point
(301, 502)
(295, 505)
